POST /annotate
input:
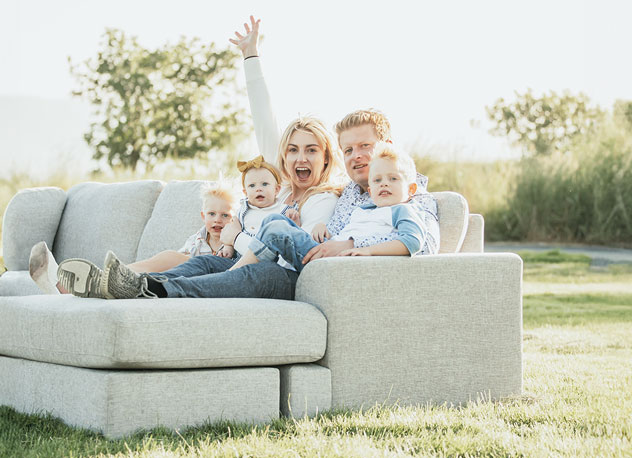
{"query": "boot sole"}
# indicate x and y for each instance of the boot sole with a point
(76, 276)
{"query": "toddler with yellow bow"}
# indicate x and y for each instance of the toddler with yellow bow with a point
(261, 183)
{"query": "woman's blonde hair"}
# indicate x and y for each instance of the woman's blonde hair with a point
(333, 157)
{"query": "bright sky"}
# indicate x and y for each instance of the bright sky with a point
(431, 66)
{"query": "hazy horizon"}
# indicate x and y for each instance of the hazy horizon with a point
(431, 67)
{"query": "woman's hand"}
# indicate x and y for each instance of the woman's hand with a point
(248, 42)
(294, 216)
(320, 233)
(230, 232)
(364, 251)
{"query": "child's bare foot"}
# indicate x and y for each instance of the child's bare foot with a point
(248, 258)
(43, 269)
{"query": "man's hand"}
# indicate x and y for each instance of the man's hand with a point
(320, 232)
(294, 216)
(226, 251)
(327, 250)
(364, 251)
(230, 231)
(248, 42)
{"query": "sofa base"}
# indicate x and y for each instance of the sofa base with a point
(120, 402)
(305, 390)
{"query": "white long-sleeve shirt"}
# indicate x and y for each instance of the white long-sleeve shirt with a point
(265, 123)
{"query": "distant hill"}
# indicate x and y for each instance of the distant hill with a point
(38, 135)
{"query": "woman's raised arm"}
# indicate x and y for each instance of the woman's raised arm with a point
(264, 120)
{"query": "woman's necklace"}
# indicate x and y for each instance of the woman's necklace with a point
(291, 200)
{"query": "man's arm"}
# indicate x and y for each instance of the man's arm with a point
(392, 248)
(327, 250)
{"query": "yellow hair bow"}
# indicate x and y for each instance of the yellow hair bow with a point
(242, 166)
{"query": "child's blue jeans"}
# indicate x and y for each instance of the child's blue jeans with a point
(280, 236)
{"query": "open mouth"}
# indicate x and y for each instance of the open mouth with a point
(217, 228)
(359, 166)
(384, 193)
(260, 197)
(303, 173)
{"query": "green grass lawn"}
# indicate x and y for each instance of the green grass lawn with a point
(577, 398)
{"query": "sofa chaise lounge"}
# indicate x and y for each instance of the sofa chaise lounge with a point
(445, 328)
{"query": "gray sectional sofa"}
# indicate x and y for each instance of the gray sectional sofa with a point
(443, 329)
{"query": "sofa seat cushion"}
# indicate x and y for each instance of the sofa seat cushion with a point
(161, 333)
(18, 283)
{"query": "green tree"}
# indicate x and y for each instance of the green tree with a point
(179, 101)
(543, 124)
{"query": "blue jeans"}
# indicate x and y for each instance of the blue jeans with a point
(280, 236)
(208, 276)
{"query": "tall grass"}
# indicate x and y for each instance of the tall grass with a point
(485, 185)
(581, 196)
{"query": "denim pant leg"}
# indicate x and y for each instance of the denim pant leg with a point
(280, 236)
(199, 265)
(265, 280)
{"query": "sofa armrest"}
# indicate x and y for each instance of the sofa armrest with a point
(474, 237)
(32, 215)
(442, 328)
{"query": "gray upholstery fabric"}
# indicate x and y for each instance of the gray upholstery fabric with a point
(442, 328)
(453, 219)
(17, 283)
(100, 217)
(32, 216)
(175, 217)
(474, 241)
(305, 390)
(161, 333)
(118, 403)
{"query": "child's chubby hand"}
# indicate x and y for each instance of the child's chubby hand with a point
(230, 232)
(364, 251)
(320, 233)
(294, 216)
(226, 251)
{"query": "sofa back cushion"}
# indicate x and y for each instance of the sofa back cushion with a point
(176, 216)
(99, 217)
(453, 219)
(32, 216)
